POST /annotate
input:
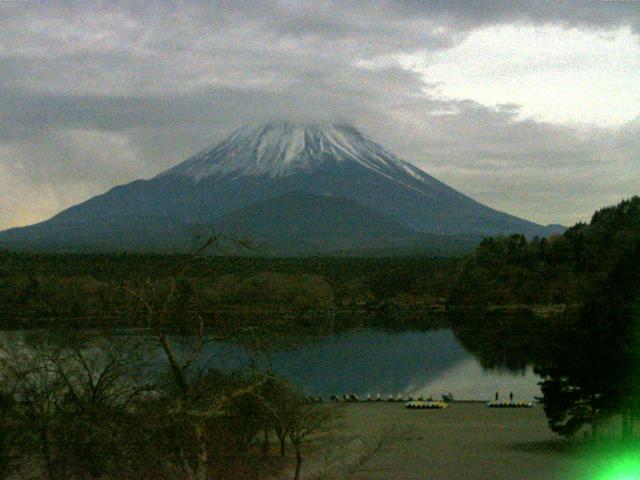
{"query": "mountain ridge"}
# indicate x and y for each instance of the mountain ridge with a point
(258, 163)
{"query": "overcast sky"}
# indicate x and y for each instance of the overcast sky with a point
(529, 106)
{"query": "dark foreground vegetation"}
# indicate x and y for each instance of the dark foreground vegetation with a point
(84, 406)
(81, 404)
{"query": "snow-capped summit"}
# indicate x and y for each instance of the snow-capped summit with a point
(282, 149)
(298, 188)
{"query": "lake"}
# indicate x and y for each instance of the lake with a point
(369, 361)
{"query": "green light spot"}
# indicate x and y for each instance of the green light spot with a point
(622, 468)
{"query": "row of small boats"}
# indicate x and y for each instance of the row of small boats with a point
(416, 403)
(422, 405)
(509, 404)
(352, 397)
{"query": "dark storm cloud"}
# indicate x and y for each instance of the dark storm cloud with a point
(597, 14)
(94, 94)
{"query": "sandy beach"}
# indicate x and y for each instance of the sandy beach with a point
(464, 441)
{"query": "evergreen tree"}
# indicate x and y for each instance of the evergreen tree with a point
(591, 371)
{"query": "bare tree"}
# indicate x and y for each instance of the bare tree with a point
(71, 400)
(7, 433)
(38, 396)
(196, 403)
(305, 421)
(159, 304)
(290, 416)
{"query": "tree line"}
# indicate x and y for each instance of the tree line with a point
(514, 270)
(59, 290)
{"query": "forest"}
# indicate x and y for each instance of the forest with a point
(560, 269)
(87, 290)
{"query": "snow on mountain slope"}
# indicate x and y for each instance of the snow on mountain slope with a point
(330, 166)
(282, 149)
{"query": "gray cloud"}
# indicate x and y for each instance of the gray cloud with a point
(98, 94)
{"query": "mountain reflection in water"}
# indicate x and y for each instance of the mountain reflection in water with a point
(373, 361)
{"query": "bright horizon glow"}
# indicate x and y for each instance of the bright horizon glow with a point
(555, 74)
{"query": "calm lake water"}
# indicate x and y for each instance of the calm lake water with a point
(372, 361)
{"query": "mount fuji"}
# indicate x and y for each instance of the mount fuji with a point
(294, 188)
